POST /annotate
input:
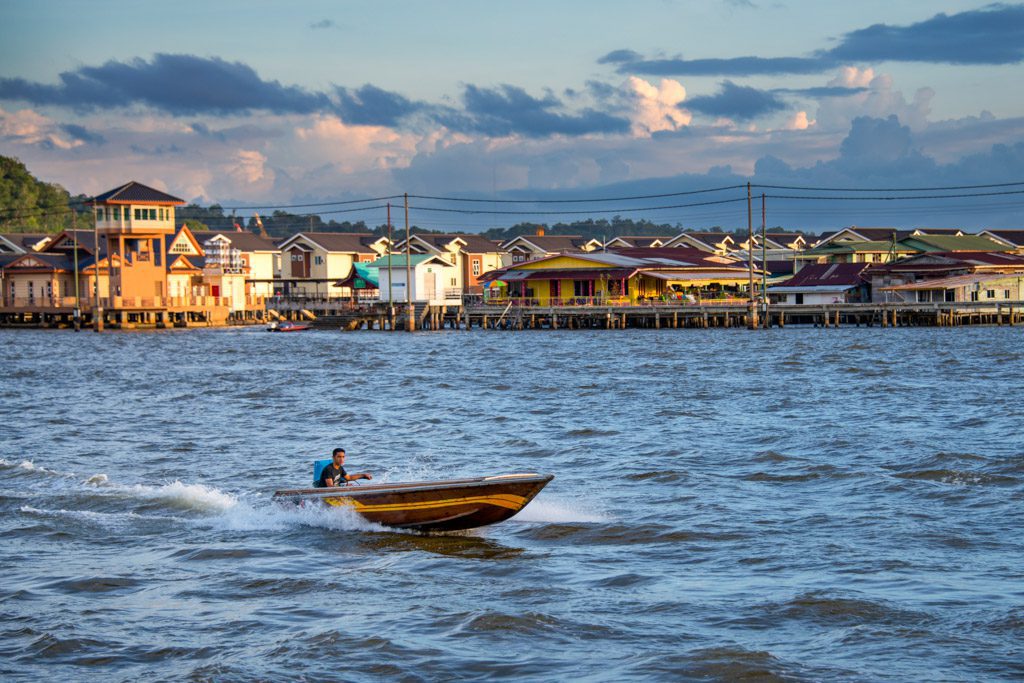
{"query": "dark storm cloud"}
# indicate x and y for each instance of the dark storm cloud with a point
(509, 110)
(736, 102)
(202, 130)
(992, 35)
(823, 91)
(177, 84)
(186, 85)
(735, 66)
(373, 106)
(83, 134)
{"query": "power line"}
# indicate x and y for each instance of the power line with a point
(888, 189)
(577, 201)
(575, 213)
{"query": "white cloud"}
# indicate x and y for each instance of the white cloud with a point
(798, 121)
(28, 127)
(880, 99)
(655, 108)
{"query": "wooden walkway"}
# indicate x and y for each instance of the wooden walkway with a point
(661, 316)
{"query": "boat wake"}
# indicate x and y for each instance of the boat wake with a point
(555, 511)
(97, 501)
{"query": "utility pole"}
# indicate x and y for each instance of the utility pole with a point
(97, 311)
(391, 302)
(752, 305)
(764, 264)
(410, 323)
(77, 315)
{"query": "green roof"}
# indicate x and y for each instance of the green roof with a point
(398, 260)
(954, 243)
(857, 246)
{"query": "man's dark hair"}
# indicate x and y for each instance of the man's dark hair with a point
(338, 450)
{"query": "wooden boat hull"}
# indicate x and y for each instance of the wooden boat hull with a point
(430, 505)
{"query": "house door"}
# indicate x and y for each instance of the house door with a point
(430, 286)
(215, 290)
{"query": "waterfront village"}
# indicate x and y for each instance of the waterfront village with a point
(139, 268)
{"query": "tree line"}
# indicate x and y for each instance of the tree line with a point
(28, 204)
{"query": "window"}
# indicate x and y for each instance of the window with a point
(180, 248)
(581, 287)
(455, 282)
(152, 214)
(117, 213)
(31, 290)
(1006, 294)
(49, 290)
(319, 260)
(974, 296)
(138, 214)
(476, 266)
(453, 257)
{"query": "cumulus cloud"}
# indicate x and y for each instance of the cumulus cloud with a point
(655, 108)
(27, 127)
(798, 121)
(991, 35)
(875, 96)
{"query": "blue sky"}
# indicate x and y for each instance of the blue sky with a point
(264, 102)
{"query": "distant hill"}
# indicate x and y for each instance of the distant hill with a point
(28, 204)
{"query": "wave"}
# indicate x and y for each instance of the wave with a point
(555, 511)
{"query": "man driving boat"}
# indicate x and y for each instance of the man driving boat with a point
(335, 474)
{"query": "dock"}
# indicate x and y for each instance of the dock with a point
(373, 316)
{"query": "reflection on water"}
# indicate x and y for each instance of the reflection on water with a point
(785, 505)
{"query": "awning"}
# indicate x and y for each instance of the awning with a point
(691, 275)
(569, 274)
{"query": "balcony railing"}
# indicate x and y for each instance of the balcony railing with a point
(117, 302)
(613, 301)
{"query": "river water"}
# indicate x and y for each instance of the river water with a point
(798, 504)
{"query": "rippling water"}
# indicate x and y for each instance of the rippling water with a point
(794, 504)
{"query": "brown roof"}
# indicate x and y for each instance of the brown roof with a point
(475, 244)
(346, 242)
(135, 192)
(826, 274)
(246, 241)
(554, 243)
(1013, 236)
(26, 240)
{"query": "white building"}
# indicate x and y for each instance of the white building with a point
(429, 275)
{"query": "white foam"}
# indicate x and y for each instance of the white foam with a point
(27, 465)
(556, 511)
(110, 520)
(188, 496)
(273, 516)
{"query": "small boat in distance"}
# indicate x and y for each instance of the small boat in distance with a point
(449, 505)
(287, 326)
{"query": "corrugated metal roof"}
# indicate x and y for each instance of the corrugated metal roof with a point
(950, 282)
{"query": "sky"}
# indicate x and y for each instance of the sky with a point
(263, 104)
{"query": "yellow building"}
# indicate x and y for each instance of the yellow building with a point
(623, 277)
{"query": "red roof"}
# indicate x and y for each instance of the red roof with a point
(823, 274)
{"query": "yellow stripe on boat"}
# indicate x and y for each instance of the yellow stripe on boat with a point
(505, 500)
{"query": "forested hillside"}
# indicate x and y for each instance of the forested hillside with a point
(28, 204)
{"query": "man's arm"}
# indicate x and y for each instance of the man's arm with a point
(358, 475)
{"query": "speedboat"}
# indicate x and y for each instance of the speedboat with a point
(286, 326)
(448, 505)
